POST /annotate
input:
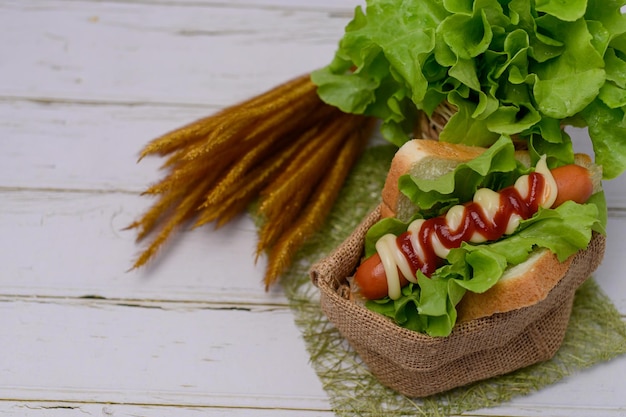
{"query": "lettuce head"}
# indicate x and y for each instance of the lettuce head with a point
(508, 67)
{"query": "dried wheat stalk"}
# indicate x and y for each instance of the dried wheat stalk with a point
(285, 148)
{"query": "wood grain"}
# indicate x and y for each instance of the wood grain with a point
(85, 84)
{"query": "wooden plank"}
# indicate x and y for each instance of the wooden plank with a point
(610, 272)
(334, 6)
(63, 244)
(162, 52)
(165, 355)
(73, 409)
(82, 146)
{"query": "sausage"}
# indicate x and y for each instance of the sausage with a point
(372, 280)
(573, 182)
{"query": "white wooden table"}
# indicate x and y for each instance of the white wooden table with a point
(84, 84)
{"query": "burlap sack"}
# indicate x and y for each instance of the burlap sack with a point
(418, 365)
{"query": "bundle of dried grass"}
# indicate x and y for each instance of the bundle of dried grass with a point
(285, 148)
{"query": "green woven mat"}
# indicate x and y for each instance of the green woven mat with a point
(354, 391)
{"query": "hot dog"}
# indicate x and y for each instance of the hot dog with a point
(569, 182)
(489, 220)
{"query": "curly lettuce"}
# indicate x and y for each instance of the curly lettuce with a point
(509, 67)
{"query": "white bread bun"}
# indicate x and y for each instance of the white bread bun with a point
(522, 285)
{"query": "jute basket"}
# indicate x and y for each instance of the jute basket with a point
(418, 365)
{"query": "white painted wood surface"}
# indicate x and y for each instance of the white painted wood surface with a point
(83, 86)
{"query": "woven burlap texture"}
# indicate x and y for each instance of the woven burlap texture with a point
(418, 365)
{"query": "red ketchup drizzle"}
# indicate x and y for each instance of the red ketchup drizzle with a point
(405, 245)
(474, 220)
